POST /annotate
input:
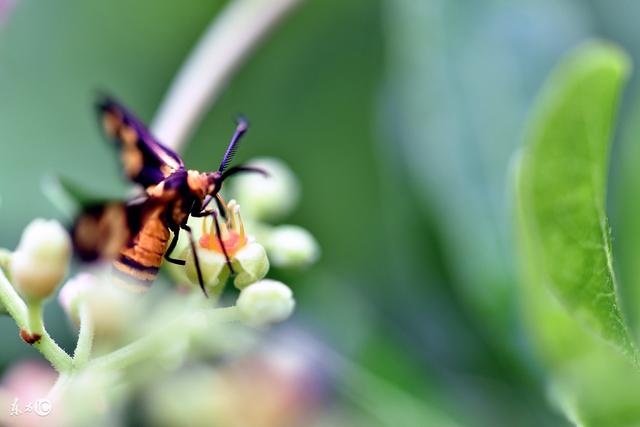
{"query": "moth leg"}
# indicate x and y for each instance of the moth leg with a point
(203, 213)
(186, 228)
(172, 246)
(214, 214)
(206, 202)
(222, 206)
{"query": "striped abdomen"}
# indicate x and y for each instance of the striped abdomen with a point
(140, 259)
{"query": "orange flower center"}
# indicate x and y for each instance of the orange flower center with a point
(232, 232)
(232, 243)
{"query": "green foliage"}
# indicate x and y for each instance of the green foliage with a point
(562, 188)
(570, 294)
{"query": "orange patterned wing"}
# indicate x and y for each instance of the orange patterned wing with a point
(145, 160)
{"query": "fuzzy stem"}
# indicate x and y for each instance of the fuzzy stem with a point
(12, 302)
(232, 35)
(85, 338)
(34, 311)
(145, 347)
(29, 318)
(58, 358)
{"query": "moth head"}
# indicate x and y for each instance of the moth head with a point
(199, 183)
(214, 182)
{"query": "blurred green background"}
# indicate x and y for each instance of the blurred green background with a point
(399, 117)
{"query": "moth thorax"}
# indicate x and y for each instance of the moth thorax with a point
(198, 183)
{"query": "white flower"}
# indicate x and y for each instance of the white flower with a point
(291, 246)
(267, 198)
(248, 258)
(264, 302)
(40, 262)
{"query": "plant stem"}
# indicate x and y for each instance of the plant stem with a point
(58, 387)
(232, 35)
(12, 302)
(34, 312)
(58, 358)
(29, 318)
(154, 343)
(85, 338)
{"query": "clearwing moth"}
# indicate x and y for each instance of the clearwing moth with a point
(135, 234)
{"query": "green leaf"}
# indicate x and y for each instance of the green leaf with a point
(562, 182)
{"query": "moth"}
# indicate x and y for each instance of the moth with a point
(136, 234)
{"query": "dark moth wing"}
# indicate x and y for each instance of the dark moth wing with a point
(101, 230)
(145, 160)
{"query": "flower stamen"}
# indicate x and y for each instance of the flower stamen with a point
(232, 232)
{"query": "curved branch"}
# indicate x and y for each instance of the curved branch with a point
(233, 34)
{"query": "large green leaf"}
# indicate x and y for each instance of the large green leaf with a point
(562, 183)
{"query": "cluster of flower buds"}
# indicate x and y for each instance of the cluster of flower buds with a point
(270, 199)
(263, 199)
(224, 248)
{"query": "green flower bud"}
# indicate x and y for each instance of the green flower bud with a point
(40, 262)
(290, 246)
(264, 302)
(213, 266)
(251, 264)
(267, 198)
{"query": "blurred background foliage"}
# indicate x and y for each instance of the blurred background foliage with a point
(400, 118)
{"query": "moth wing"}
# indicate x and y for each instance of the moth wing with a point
(102, 230)
(145, 160)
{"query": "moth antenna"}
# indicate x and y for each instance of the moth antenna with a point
(241, 169)
(241, 129)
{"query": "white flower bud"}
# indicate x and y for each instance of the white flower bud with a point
(40, 262)
(290, 246)
(213, 266)
(74, 291)
(267, 198)
(264, 302)
(251, 264)
(112, 310)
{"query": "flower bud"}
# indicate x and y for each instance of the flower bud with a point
(264, 302)
(112, 310)
(74, 291)
(213, 266)
(267, 198)
(40, 262)
(251, 264)
(291, 246)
